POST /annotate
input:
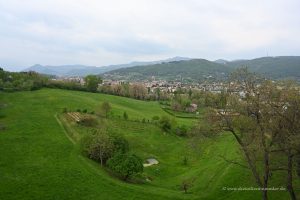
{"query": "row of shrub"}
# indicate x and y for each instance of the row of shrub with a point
(85, 111)
(165, 123)
(20, 81)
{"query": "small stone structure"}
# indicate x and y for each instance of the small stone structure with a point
(150, 161)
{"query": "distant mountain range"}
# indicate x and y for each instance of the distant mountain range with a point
(83, 70)
(281, 67)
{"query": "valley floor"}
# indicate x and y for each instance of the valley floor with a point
(40, 157)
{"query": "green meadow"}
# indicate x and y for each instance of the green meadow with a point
(40, 156)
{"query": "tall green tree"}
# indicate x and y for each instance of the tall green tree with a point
(125, 165)
(98, 146)
(106, 108)
(2, 127)
(125, 115)
(121, 145)
(92, 82)
(165, 123)
(190, 93)
(157, 93)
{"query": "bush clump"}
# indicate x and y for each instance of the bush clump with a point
(88, 121)
(165, 123)
(100, 146)
(181, 130)
(155, 118)
(125, 165)
(111, 150)
(121, 145)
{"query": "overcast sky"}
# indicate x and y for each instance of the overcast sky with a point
(103, 32)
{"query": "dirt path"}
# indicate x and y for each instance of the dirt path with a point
(64, 130)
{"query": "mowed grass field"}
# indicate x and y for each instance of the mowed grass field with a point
(38, 159)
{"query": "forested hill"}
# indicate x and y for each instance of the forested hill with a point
(283, 67)
(196, 69)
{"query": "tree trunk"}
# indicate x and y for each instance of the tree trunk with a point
(266, 155)
(266, 175)
(101, 160)
(126, 177)
(290, 187)
(253, 169)
(185, 189)
(249, 160)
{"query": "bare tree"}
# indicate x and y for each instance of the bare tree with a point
(137, 91)
(106, 108)
(186, 184)
(244, 109)
(285, 124)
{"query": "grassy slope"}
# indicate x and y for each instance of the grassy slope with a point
(38, 161)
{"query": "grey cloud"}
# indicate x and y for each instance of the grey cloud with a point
(107, 32)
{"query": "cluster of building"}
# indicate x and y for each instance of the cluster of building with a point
(172, 86)
(76, 79)
(162, 85)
